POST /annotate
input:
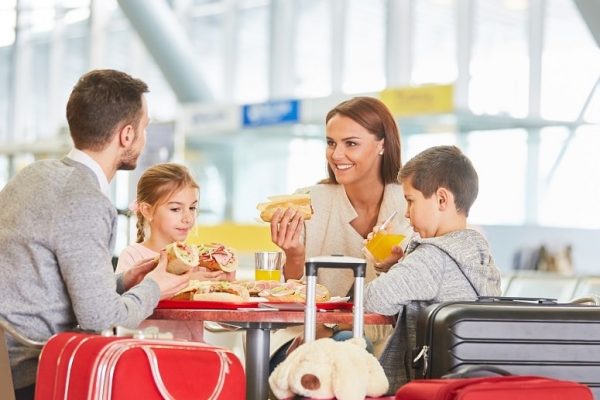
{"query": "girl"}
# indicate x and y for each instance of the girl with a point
(166, 207)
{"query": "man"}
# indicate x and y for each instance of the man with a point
(57, 228)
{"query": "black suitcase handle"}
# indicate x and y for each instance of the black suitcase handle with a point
(471, 371)
(312, 265)
(539, 300)
(359, 266)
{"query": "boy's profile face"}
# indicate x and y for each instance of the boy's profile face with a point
(423, 213)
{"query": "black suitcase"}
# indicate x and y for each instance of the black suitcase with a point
(519, 335)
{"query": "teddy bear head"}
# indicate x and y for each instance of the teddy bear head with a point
(325, 369)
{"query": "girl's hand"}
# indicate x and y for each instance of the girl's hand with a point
(229, 276)
(202, 274)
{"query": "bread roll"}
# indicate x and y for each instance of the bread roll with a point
(299, 202)
(219, 296)
(181, 257)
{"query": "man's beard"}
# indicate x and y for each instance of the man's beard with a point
(128, 161)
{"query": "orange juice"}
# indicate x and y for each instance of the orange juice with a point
(267, 275)
(380, 245)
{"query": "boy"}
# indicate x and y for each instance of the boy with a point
(445, 261)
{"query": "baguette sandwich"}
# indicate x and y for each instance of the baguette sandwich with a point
(299, 202)
(294, 291)
(181, 257)
(217, 257)
(213, 291)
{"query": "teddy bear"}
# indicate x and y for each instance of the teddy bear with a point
(326, 369)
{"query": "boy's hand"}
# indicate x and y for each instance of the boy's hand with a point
(385, 265)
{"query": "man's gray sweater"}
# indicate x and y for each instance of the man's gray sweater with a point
(57, 233)
(430, 272)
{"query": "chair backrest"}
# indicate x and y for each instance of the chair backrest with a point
(554, 286)
(587, 285)
(7, 390)
(505, 280)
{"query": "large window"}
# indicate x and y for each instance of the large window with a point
(313, 42)
(434, 42)
(499, 65)
(569, 168)
(363, 65)
(570, 63)
(252, 52)
(529, 172)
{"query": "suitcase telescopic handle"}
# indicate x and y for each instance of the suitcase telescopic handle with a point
(472, 371)
(539, 300)
(359, 266)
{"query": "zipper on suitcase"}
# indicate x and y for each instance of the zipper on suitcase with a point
(423, 354)
(423, 351)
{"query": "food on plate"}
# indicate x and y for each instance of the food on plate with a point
(299, 202)
(255, 287)
(181, 257)
(294, 291)
(213, 291)
(217, 257)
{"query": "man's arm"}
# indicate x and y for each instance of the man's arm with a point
(81, 240)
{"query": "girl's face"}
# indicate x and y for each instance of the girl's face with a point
(352, 151)
(423, 213)
(173, 219)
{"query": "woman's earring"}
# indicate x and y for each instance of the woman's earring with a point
(380, 152)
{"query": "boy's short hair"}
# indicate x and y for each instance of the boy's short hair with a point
(443, 166)
(100, 101)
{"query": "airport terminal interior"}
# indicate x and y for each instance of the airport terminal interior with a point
(239, 90)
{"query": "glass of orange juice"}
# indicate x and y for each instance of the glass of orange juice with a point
(380, 246)
(267, 266)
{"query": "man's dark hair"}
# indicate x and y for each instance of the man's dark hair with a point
(447, 167)
(102, 101)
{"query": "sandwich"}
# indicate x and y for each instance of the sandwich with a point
(213, 291)
(217, 257)
(256, 287)
(299, 202)
(181, 257)
(294, 291)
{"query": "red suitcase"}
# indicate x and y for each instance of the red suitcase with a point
(88, 366)
(494, 388)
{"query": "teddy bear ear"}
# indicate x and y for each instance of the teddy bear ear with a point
(348, 381)
(280, 378)
(279, 382)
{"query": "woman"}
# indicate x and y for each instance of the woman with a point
(363, 161)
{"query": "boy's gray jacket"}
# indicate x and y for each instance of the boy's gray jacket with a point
(433, 270)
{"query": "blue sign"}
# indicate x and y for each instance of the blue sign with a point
(271, 113)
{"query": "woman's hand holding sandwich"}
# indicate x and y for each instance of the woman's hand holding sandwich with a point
(286, 233)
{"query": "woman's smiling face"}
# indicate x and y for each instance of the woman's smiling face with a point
(352, 151)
